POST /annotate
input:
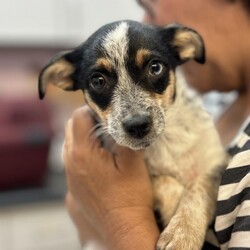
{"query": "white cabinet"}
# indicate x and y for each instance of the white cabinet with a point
(58, 22)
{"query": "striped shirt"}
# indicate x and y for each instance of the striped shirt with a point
(232, 222)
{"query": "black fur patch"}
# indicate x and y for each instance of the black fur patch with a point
(159, 221)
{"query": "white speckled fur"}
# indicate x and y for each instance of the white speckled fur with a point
(116, 44)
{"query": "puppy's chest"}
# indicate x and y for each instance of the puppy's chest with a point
(161, 161)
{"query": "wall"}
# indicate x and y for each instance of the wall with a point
(58, 22)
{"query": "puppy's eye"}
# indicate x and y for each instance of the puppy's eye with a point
(155, 68)
(98, 83)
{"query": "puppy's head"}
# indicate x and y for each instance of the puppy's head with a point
(126, 71)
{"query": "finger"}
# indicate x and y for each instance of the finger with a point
(128, 158)
(82, 124)
(68, 135)
(71, 204)
(68, 140)
(128, 154)
(79, 142)
(82, 128)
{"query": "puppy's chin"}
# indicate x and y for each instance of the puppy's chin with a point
(136, 144)
(140, 146)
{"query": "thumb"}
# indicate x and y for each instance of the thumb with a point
(82, 124)
(78, 134)
(129, 158)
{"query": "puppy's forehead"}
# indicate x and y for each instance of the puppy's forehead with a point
(123, 40)
(116, 43)
(120, 41)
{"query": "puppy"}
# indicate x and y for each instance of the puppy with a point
(127, 72)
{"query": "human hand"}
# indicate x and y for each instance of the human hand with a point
(116, 198)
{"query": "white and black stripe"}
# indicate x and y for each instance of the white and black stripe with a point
(232, 223)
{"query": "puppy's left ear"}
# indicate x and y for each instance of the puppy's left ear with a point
(186, 43)
(58, 72)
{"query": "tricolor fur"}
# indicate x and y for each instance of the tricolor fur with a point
(127, 72)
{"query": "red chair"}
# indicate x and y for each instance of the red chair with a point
(25, 136)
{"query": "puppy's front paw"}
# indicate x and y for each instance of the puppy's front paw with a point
(180, 236)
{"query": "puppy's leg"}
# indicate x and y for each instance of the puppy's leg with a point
(187, 228)
(167, 195)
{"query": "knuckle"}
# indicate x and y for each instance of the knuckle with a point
(77, 114)
(76, 118)
(77, 154)
(67, 130)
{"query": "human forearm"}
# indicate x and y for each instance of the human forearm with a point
(133, 229)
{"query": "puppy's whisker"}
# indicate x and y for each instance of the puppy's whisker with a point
(101, 132)
(96, 127)
(106, 140)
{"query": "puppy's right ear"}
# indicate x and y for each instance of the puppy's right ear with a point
(185, 42)
(57, 72)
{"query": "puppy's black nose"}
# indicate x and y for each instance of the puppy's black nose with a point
(138, 126)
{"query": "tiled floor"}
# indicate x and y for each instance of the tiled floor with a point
(44, 226)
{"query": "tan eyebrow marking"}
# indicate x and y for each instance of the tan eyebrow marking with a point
(168, 96)
(170, 90)
(105, 63)
(140, 56)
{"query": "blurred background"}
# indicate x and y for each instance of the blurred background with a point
(32, 182)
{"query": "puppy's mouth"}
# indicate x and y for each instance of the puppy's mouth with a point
(140, 145)
(132, 143)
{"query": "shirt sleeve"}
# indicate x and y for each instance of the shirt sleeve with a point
(232, 224)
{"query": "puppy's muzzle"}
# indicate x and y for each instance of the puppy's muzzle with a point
(137, 126)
